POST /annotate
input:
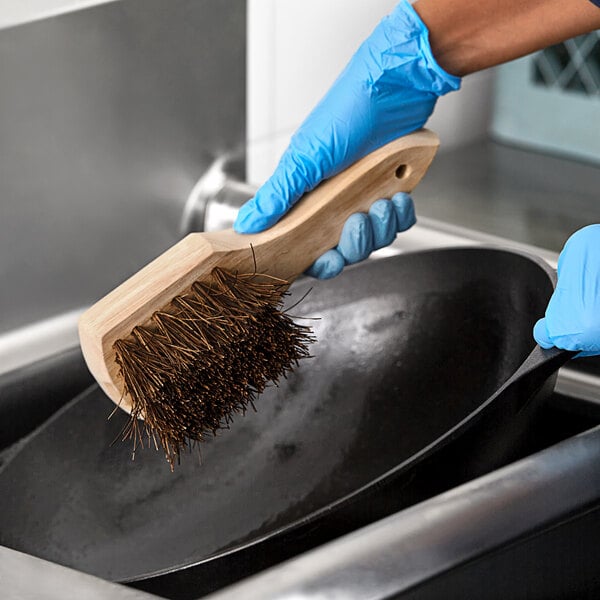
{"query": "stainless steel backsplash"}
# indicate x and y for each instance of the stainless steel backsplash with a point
(108, 116)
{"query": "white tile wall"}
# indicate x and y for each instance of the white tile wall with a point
(296, 48)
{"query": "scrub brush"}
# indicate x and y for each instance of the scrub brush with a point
(198, 333)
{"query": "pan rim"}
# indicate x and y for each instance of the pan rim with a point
(437, 444)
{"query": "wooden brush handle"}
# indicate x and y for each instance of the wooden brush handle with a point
(286, 250)
(314, 225)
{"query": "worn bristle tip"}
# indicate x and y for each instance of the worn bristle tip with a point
(206, 357)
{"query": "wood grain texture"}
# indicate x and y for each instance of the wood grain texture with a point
(285, 250)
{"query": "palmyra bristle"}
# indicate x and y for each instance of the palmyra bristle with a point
(206, 357)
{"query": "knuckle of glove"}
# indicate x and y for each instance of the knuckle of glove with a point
(405, 211)
(328, 265)
(383, 222)
(356, 240)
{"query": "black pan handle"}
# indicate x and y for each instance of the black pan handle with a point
(535, 370)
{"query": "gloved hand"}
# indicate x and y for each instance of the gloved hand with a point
(388, 89)
(364, 233)
(572, 319)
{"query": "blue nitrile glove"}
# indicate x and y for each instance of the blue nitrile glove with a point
(572, 319)
(364, 233)
(388, 89)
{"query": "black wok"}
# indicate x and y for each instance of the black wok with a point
(391, 410)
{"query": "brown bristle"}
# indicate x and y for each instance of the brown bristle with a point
(206, 357)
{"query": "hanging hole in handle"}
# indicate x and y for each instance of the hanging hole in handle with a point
(402, 171)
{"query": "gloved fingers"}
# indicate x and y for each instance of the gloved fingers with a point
(572, 319)
(356, 243)
(566, 342)
(356, 239)
(541, 336)
(405, 211)
(328, 265)
(383, 222)
(250, 219)
(362, 234)
(297, 173)
(389, 217)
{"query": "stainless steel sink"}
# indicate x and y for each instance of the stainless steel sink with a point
(109, 116)
(529, 530)
(36, 392)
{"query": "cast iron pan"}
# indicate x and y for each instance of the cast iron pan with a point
(397, 404)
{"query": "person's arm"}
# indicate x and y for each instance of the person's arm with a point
(471, 35)
(389, 88)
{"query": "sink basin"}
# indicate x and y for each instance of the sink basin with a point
(102, 506)
(88, 132)
(528, 530)
(355, 434)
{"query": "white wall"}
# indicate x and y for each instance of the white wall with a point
(296, 48)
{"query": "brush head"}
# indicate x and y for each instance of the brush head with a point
(187, 368)
(206, 357)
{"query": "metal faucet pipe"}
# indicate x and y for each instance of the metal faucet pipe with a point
(215, 200)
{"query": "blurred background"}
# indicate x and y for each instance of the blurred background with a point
(110, 113)
(124, 123)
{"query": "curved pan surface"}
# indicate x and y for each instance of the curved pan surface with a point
(408, 347)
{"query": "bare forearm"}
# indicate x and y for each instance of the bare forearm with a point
(471, 35)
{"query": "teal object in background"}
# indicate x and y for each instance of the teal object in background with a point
(550, 100)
